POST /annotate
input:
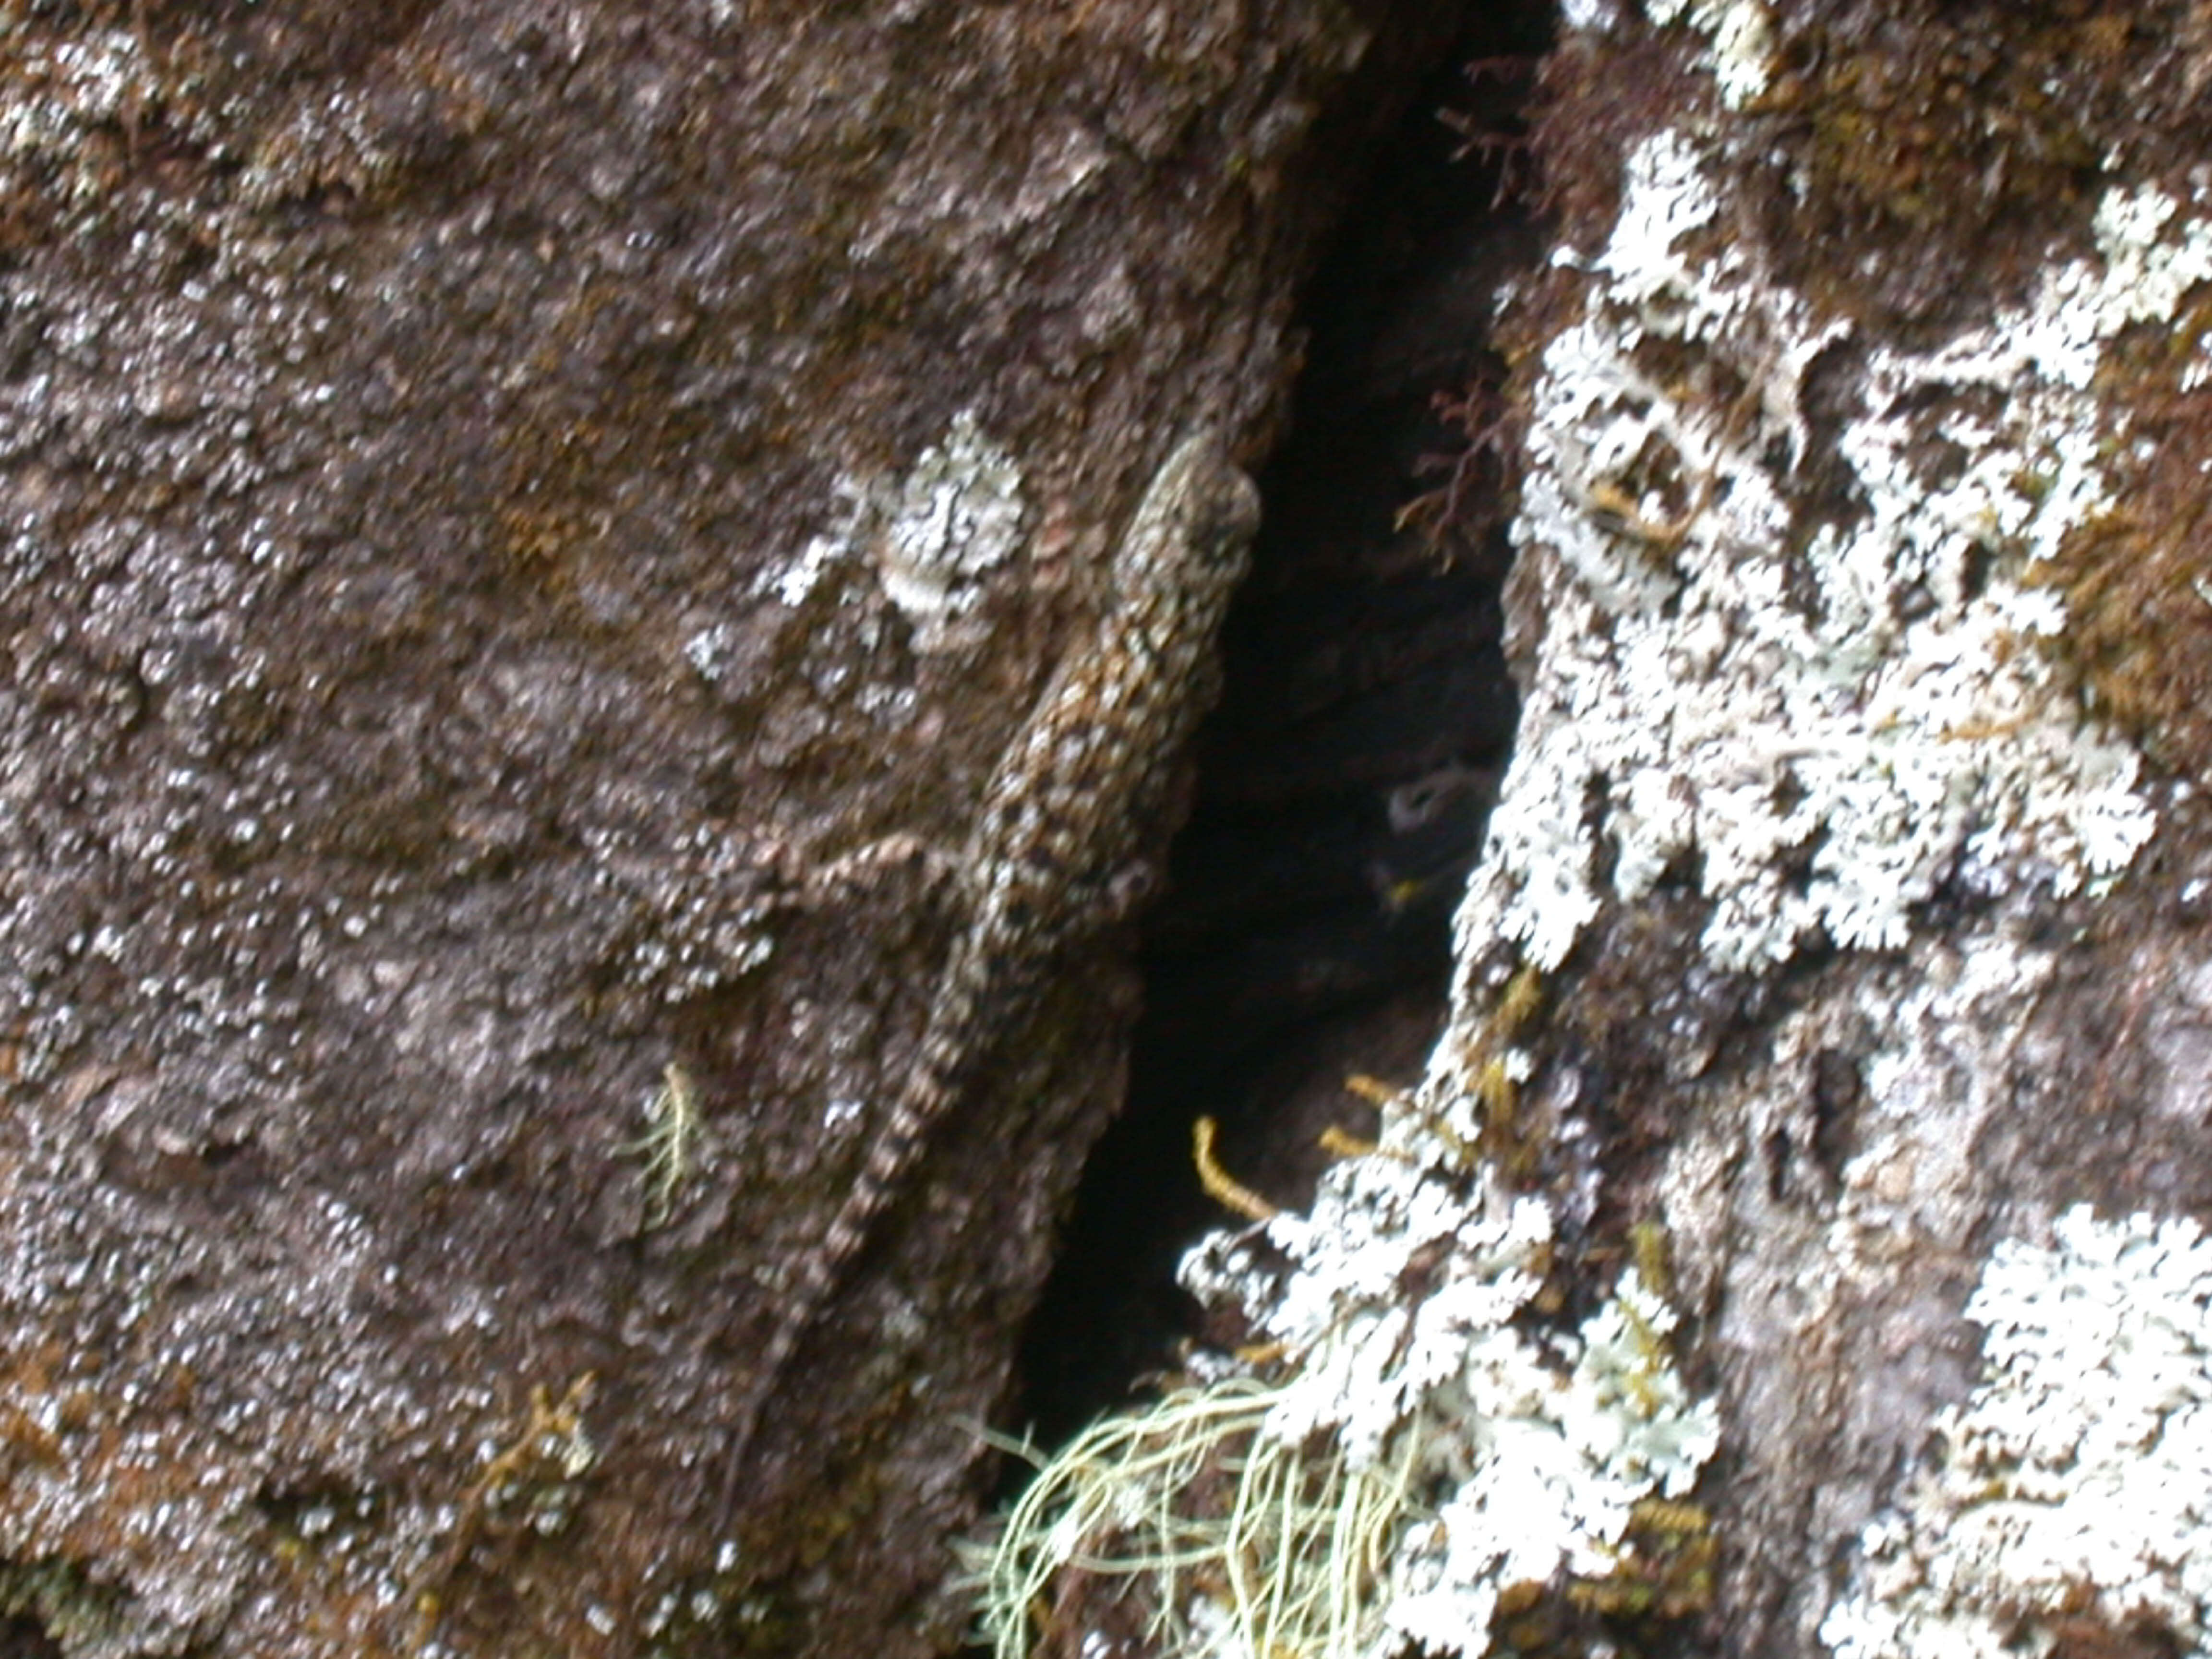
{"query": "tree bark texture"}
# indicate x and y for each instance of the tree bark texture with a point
(512, 506)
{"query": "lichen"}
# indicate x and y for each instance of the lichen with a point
(1813, 711)
(955, 517)
(930, 536)
(2066, 1495)
(670, 1145)
(1425, 1450)
(1741, 34)
(532, 1484)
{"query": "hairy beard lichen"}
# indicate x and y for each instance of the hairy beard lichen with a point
(1235, 1534)
(1225, 1522)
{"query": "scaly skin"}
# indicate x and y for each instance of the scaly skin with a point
(1057, 840)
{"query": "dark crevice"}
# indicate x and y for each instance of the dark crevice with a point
(1344, 783)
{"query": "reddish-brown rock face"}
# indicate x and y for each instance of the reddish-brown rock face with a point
(498, 499)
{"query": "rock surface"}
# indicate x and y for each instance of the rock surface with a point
(500, 495)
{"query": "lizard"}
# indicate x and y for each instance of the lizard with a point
(1048, 859)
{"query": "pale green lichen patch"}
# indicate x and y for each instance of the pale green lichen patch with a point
(931, 536)
(1426, 1452)
(953, 519)
(2067, 1498)
(1815, 717)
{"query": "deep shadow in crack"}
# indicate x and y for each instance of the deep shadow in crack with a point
(1343, 784)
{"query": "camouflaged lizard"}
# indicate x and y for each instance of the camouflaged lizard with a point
(1051, 857)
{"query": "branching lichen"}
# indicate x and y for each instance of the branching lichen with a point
(1814, 711)
(530, 1482)
(1420, 1460)
(2069, 1493)
(669, 1144)
(1234, 1532)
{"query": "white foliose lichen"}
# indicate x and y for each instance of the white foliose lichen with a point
(932, 535)
(2070, 1490)
(1816, 717)
(1423, 1448)
(955, 517)
(1742, 36)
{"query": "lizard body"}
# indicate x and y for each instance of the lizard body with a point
(1061, 823)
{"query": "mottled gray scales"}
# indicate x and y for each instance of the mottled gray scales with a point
(1052, 850)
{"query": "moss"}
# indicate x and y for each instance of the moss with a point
(2135, 579)
(1960, 134)
(2140, 630)
(1902, 136)
(1509, 1141)
(1947, 138)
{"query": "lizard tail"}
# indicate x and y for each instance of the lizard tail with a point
(952, 1051)
(938, 1071)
